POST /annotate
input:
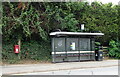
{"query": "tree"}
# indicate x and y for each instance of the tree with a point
(27, 19)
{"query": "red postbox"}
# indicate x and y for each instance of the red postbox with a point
(16, 49)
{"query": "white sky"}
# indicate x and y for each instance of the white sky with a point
(107, 1)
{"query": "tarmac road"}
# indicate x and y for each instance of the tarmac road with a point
(113, 70)
(88, 67)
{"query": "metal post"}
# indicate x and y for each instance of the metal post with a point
(94, 49)
(53, 50)
(79, 48)
(66, 56)
(90, 47)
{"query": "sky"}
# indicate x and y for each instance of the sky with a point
(107, 1)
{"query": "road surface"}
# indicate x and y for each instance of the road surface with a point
(106, 67)
(113, 70)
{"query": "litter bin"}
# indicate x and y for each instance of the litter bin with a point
(99, 54)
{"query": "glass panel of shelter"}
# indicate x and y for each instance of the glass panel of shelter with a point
(78, 46)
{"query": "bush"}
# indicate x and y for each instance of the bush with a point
(32, 50)
(114, 49)
(36, 51)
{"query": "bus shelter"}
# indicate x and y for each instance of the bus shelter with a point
(73, 46)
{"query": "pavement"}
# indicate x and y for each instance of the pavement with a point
(33, 68)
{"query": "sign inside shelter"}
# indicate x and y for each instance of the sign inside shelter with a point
(72, 46)
(60, 43)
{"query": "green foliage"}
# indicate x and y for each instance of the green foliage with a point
(8, 53)
(69, 22)
(59, 17)
(36, 51)
(25, 20)
(21, 23)
(41, 18)
(114, 49)
(29, 50)
(97, 43)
